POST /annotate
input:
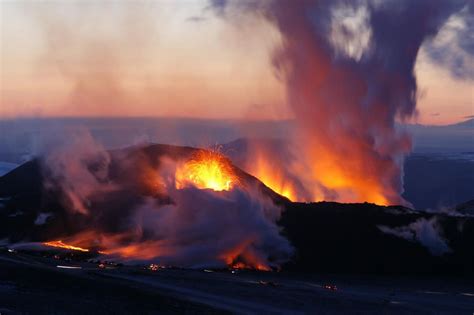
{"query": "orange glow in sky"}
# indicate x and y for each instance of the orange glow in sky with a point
(160, 59)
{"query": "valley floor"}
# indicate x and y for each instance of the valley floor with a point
(32, 284)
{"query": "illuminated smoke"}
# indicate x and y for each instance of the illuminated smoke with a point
(173, 209)
(348, 68)
(426, 232)
(211, 228)
(69, 156)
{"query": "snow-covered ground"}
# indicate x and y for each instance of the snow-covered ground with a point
(6, 167)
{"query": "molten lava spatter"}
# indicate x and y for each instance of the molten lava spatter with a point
(193, 199)
(272, 177)
(61, 244)
(206, 170)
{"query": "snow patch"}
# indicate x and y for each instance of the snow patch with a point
(6, 167)
(42, 218)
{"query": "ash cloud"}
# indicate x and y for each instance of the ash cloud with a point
(348, 68)
(453, 47)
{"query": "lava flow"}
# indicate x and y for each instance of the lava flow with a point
(206, 170)
(61, 244)
(273, 177)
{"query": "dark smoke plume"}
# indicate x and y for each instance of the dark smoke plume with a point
(348, 68)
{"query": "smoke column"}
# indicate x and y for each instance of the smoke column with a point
(348, 68)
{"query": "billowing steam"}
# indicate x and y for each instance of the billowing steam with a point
(427, 232)
(70, 157)
(348, 68)
(208, 228)
(165, 208)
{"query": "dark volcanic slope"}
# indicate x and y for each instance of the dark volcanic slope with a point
(328, 237)
(334, 237)
(23, 195)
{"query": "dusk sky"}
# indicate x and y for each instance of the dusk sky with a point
(165, 58)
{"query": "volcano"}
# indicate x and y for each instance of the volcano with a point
(325, 236)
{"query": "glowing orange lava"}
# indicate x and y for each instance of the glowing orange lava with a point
(206, 170)
(241, 265)
(321, 176)
(61, 244)
(347, 178)
(243, 257)
(272, 177)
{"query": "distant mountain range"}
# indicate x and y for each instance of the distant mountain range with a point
(443, 139)
(465, 124)
(23, 138)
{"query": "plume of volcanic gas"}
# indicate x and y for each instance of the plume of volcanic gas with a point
(78, 165)
(348, 68)
(270, 161)
(174, 206)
